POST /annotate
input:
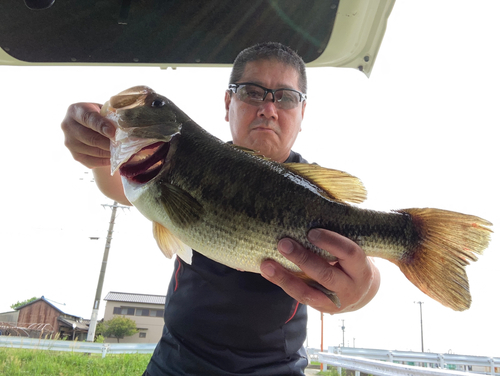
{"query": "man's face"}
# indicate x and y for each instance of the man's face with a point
(265, 128)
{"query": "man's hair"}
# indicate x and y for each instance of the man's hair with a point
(269, 51)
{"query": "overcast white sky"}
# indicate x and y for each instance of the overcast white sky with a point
(419, 133)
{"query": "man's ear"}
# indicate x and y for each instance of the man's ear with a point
(227, 100)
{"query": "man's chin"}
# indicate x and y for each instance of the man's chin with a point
(264, 141)
(267, 148)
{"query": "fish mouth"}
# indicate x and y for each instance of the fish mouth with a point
(146, 164)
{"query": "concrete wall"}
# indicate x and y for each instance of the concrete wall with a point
(151, 327)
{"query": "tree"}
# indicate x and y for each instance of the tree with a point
(19, 304)
(99, 337)
(119, 327)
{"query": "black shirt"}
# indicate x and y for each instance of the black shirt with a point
(221, 321)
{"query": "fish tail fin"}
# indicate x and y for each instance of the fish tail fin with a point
(449, 241)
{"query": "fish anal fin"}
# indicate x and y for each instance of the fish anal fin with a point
(311, 282)
(448, 242)
(182, 208)
(338, 185)
(170, 245)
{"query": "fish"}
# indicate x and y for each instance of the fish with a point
(233, 205)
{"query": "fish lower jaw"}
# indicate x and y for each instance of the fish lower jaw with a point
(146, 164)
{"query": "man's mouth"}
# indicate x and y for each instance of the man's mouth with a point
(263, 127)
(146, 163)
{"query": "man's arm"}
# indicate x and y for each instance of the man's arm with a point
(110, 186)
(353, 277)
(86, 135)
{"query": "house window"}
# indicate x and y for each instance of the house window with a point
(156, 312)
(123, 311)
(142, 335)
(129, 311)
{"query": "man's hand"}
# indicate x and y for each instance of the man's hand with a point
(353, 277)
(87, 134)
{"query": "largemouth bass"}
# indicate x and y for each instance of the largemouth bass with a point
(233, 205)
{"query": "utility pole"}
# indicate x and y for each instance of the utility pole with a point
(421, 325)
(97, 300)
(322, 366)
(343, 332)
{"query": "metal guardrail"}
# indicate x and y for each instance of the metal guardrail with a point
(77, 346)
(384, 362)
(377, 367)
(372, 361)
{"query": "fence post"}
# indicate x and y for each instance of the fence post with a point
(324, 366)
(441, 361)
(492, 363)
(339, 369)
(105, 347)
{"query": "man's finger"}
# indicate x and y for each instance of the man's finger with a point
(91, 162)
(84, 140)
(291, 284)
(89, 115)
(351, 256)
(313, 265)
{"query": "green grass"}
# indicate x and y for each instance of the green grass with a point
(332, 371)
(14, 362)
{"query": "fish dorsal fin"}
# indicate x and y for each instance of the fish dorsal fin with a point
(338, 185)
(182, 208)
(170, 245)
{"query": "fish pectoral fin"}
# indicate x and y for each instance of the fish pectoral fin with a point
(182, 208)
(170, 245)
(311, 282)
(337, 185)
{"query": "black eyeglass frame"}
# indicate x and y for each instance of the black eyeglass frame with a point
(234, 89)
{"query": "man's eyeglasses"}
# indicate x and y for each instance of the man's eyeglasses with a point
(255, 94)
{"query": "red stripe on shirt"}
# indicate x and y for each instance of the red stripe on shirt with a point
(294, 312)
(176, 274)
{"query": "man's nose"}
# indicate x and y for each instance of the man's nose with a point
(268, 108)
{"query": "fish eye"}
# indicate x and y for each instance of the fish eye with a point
(157, 103)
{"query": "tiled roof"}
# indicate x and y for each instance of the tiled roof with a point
(135, 298)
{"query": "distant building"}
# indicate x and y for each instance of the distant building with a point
(146, 310)
(10, 316)
(42, 319)
(8, 320)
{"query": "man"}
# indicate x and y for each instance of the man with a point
(219, 321)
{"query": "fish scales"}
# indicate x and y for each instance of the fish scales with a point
(254, 212)
(233, 205)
